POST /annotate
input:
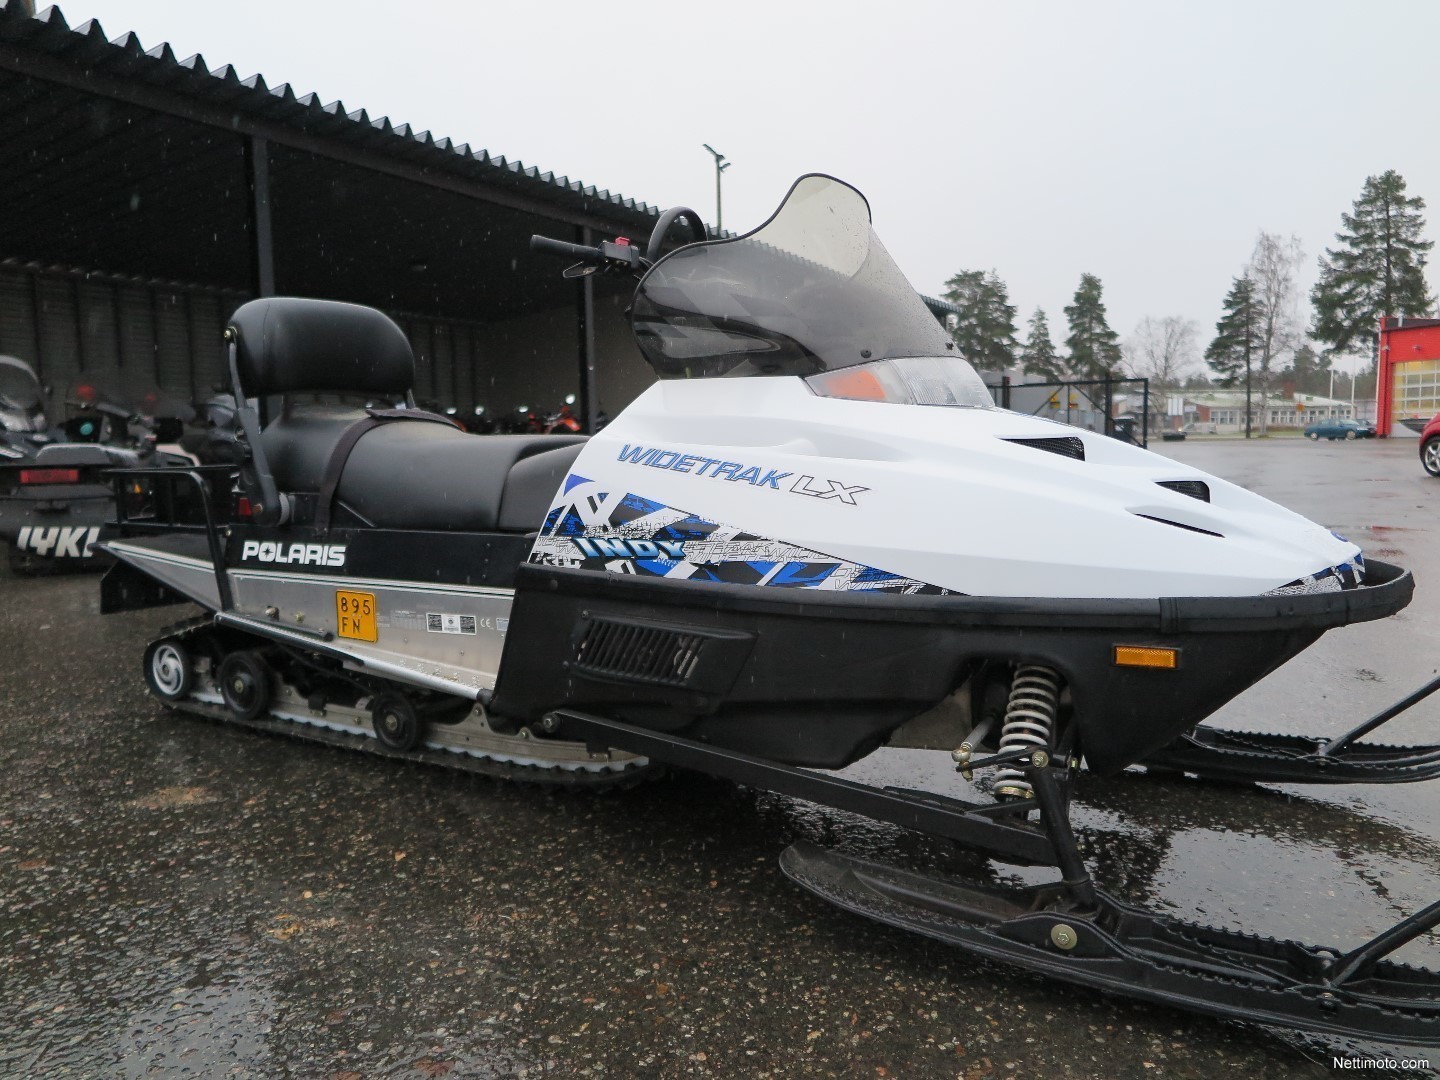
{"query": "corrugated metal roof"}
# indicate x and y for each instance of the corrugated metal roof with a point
(88, 47)
(940, 307)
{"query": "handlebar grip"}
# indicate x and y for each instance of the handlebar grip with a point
(545, 246)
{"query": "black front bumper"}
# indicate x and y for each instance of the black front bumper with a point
(820, 679)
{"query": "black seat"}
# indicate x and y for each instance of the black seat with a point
(385, 468)
(428, 476)
(298, 443)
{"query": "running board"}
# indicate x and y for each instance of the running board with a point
(1252, 757)
(324, 643)
(1127, 950)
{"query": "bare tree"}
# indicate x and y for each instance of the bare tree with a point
(1273, 266)
(1163, 350)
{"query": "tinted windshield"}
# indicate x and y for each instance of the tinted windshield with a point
(811, 290)
(125, 391)
(19, 389)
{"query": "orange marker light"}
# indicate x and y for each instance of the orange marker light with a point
(854, 383)
(1150, 656)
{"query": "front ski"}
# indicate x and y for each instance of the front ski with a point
(1127, 950)
(1070, 929)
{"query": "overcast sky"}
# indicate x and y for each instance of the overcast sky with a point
(1144, 141)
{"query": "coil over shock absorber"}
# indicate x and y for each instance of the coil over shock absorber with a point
(1029, 723)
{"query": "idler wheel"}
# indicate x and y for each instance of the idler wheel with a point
(397, 724)
(168, 669)
(245, 683)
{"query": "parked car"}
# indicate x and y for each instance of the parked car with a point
(1430, 446)
(1339, 429)
(1367, 429)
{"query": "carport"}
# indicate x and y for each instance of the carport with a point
(144, 196)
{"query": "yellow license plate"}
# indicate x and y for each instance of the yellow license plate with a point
(355, 615)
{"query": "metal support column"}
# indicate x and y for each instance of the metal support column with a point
(79, 323)
(37, 312)
(589, 406)
(257, 160)
(115, 301)
(155, 335)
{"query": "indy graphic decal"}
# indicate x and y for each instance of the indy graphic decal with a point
(592, 528)
(1332, 579)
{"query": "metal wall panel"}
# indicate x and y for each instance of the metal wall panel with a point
(443, 337)
(172, 340)
(208, 314)
(418, 331)
(95, 312)
(137, 333)
(465, 391)
(59, 332)
(17, 316)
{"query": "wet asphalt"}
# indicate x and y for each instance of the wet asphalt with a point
(182, 898)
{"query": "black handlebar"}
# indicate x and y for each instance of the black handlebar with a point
(545, 246)
(608, 257)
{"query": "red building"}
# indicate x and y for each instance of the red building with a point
(1409, 390)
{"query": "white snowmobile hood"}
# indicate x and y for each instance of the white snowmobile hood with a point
(944, 496)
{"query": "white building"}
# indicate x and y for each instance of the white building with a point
(1223, 411)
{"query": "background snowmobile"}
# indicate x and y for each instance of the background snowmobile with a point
(815, 535)
(211, 436)
(54, 494)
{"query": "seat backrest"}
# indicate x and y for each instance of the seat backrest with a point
(291, 344)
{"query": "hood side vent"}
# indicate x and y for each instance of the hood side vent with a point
(1178, 525)
(635, 652)
(1066, 446)
(702, 659)
(1196, 489)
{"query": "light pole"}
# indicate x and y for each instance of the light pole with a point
(721, 164)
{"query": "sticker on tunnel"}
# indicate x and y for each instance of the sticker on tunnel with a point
(440, 623)
(355, 615)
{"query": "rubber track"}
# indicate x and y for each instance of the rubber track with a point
(538, 775)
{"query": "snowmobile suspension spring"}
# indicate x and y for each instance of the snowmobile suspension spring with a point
(1029, 722)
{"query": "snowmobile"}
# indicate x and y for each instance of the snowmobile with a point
(813, 536)
(55, 495)
(211, 436)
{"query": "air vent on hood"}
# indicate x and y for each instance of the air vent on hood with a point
(1066, 446)
(1196, 489)
(1178, 525)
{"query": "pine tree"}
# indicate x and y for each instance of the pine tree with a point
(1038, 356)
(1231, 353)
(986, 331)
(1094, 347)
(1310, 371)
(1377, 268)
